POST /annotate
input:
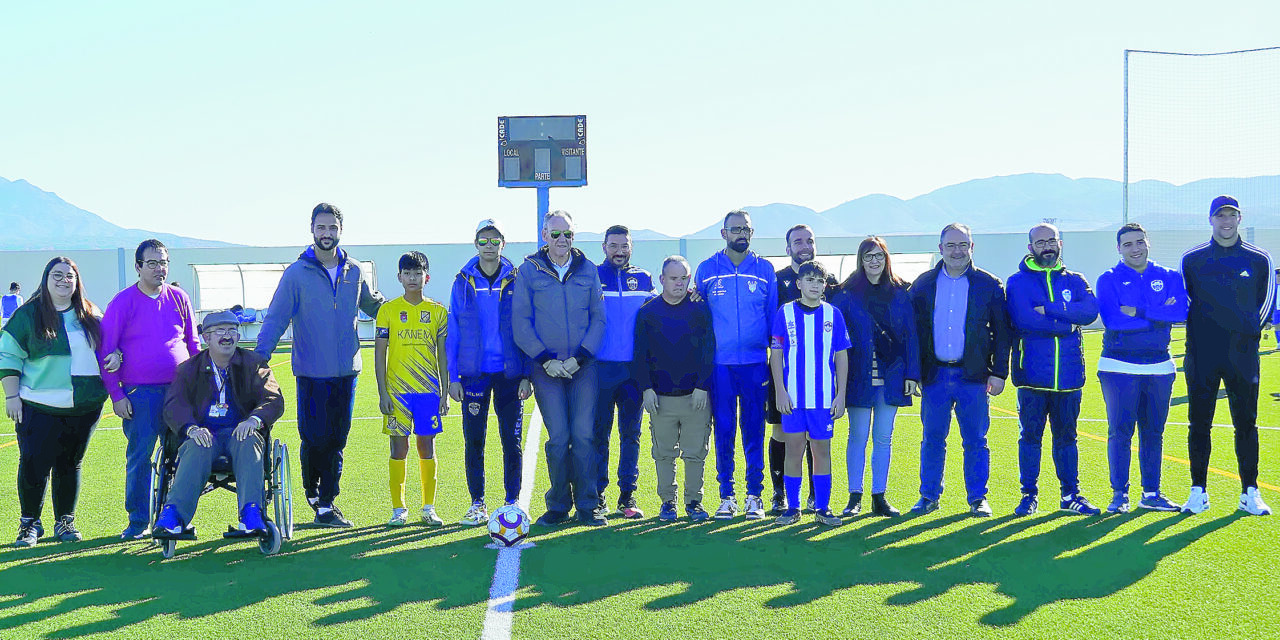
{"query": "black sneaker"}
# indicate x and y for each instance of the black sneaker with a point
(553, 519)
(591, 518)
(881, 507)
(777, 505)
(331, 518)
(854, 507)
(696, 512)
(627, 507)
(29, 531)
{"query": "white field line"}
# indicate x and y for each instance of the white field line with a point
(506, 570)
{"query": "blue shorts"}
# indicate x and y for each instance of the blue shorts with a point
(417, 413)
(816, 422)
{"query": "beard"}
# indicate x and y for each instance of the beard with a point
(740, 245)
(1047, 258)
(326, 244)
(620, 260)
(802, 257)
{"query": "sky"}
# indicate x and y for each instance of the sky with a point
(230, 120)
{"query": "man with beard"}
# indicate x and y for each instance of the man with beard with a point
(1047, 307)
(320, 294)
(741, 289)
(801, 248)
(1229, 288)
(626, 289)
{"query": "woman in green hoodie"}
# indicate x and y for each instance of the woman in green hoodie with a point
(53, 393)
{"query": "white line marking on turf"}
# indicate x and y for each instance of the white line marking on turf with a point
(506, 570)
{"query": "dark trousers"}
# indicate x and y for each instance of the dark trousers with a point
(324, 420)
(1062, 409)
(1142, 400)
(505, 393)
(617, 388)
(51, 445)
(737, 402)
(1233, 361)
(568, 409)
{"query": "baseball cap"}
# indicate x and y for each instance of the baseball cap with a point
(1223, 201)
(219, 317)
(490, 223)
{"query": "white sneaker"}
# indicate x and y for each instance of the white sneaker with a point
(476, 516)
(728, 509)
(429, 516)
(1197, 502)
(754, 507)
(399, 518)
(1251, 502)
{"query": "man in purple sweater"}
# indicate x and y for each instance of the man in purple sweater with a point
(153, 328)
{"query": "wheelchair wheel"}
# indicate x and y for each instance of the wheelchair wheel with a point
(282, 489)
(167, 547)
(270, 544)
(160, 478)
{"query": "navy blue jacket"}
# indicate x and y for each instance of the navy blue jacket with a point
(625, 291)
(1144, 338)
(897, 336)
(1047, 353)
(986, 325)
(480, 323)
(1230, 291)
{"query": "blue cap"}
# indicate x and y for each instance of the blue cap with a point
(218, 317)
(1223, 201)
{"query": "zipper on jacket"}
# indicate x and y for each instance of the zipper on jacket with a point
(1048, 283)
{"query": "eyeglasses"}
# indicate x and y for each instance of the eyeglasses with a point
(873, 257)
(493, 241)
(568, 235)
(59, 277)
(952, 246)
(228, 331)
(155, 264)
(741, 230)
(1045, 244)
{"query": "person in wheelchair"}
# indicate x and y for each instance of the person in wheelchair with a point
(221, 402)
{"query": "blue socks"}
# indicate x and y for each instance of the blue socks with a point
(792, 484)
(821, 491)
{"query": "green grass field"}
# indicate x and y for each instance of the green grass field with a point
(1142, 575)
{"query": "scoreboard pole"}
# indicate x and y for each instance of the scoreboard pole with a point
(544, 205)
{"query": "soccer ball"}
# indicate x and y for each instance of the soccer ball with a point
(508, 525)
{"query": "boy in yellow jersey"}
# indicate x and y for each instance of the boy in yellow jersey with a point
(409, 358)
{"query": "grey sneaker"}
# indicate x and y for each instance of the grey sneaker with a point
(754, 508)
(65, 529)
(728, 509)
(29, 531)
(790, 516)
(331, 518)
(826, 518)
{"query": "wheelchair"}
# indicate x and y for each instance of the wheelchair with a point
(277, 493)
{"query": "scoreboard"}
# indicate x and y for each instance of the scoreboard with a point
(542, 151)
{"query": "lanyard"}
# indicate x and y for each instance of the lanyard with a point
(221, 384)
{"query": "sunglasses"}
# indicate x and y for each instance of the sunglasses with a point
(484, 241)
(556, 234)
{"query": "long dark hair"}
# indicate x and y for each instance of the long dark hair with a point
(858, 280)
(47, 318)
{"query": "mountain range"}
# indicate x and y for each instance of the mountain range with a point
(35, 219)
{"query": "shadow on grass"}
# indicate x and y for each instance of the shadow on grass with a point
(371, 571)
(1068, 560)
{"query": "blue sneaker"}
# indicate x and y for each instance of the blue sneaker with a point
(668, 512)
(1158, 502)
(1028, 505)
(1078, 504)
(695, 511)
(251, 518)
(169, 521)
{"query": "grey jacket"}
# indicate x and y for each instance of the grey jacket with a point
(325, 344)
(552, 319)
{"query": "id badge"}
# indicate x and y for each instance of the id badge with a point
(218, 410)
